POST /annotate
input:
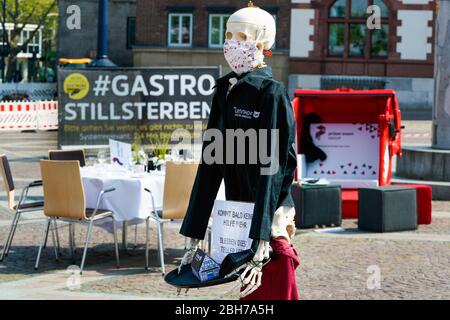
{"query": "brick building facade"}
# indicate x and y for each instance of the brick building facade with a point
(152, 19)
(155, 20)
(334, 44)
(320, 43)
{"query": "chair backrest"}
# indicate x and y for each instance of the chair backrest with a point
(67, 155)
(63, 189)
(178, 184)
(8, 180)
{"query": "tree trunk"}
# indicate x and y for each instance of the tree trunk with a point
(11, 65)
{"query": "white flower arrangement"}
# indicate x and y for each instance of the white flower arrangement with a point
(139, 155)
(158, 162)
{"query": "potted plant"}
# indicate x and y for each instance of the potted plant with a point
(160, 151)
(139, 157)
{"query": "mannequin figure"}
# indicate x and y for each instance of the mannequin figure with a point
(250, 34)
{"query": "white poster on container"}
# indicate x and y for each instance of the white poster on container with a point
(352, 149)
(230, 228)
(120, 153)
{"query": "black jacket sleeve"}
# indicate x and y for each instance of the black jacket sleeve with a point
(277, 113)
(205, 188)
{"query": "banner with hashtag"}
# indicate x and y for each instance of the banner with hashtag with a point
(132, 103)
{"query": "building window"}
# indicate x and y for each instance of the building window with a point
(217, 28)
(34, 44)
(131, 32)
(379, 41)
(180, 30)
(336, 39)
(338, 9)
(348, 35)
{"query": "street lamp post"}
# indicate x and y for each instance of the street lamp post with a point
(102, 59)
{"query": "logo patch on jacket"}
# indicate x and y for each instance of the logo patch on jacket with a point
(247, 114)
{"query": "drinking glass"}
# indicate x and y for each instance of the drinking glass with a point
(102, 157)
(90, 161)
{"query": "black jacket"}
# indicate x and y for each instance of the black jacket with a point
(256, 101)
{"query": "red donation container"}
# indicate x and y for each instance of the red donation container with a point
(348, 137)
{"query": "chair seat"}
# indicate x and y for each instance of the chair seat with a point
(159, 216)
(30, 205)
(101, 213)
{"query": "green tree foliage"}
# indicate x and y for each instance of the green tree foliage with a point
(20, 13)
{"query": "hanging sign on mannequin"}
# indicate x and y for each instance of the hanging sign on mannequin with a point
(230, 228)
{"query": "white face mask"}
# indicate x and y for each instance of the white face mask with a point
(242, 56)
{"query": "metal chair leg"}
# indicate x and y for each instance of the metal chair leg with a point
(56, 233)
(161, 247)
(55, 242)
(124, 235)
(116, 243)
(73, 238)
(47, 226)
(135, 236)
(147, 226)
(71, 242)
(46, 238)
(5, 248)
(13, 233)
(86, 245)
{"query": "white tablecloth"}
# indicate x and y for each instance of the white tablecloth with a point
(129, 202)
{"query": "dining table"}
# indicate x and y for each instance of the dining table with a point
(129, 201)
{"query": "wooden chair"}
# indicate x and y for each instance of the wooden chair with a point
(178, 184)
(21, 207)
(65, 200)
(65, 155)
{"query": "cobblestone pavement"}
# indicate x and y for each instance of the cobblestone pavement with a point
(412, 265)
(333, 266)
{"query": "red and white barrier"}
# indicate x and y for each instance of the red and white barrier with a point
(47, 118)
(24, 115)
